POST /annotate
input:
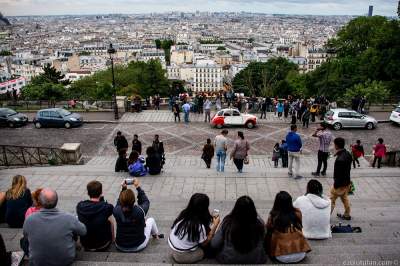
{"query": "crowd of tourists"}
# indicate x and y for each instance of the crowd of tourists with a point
(136, 164)
(242, 236)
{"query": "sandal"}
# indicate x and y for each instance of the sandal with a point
(343, 217)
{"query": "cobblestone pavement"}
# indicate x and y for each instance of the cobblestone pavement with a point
(181, 139)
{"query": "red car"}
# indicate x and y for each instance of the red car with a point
(232, 117)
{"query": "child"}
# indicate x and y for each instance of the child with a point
(379, 152)
(276, 155)
(208, 153)
(357, 151)
(284, 154)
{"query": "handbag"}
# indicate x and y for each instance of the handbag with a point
(246, 160)
(344, 229)
(352, 188)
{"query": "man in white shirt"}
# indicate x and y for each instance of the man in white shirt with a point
(186, 111)
(220, 144)
(207, 110)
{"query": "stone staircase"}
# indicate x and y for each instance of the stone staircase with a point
(375, 205)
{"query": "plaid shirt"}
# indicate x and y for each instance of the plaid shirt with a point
(325, 138)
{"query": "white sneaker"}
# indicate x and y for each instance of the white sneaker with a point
(16, 258)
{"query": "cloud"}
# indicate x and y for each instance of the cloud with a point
(325, 7)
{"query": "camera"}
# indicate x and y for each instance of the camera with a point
(129, 181)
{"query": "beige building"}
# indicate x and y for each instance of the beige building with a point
(182, 54)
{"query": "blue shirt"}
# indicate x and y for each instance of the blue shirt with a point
(293, 142)
(186, 107)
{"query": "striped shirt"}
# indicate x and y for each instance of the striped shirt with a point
(325, 138)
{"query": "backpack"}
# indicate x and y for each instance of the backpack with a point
(341, 229)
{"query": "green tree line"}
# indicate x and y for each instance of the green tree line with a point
(367, 55)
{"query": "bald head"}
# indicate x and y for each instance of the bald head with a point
(48, 198)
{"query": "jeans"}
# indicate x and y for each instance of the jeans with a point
(207, 115)
(342, 193)
(176, 115)
(186, 117)
(239, 164)
(294, 156)
(285, 159)
(221, 156)
(379, 159)
(322, 159)
(263, 114)
(306, 122)
(149, 230)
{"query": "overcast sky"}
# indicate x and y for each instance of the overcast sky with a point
(316, 7)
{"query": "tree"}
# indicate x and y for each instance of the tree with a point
(158, 43)
(5, 53)
(375, 92)
(265, 79)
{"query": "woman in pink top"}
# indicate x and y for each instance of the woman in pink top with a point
(36, 204)
(379, 152)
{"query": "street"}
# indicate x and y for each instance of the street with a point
(179, 139)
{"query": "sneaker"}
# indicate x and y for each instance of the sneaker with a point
(315, 174)
(298, 177)
(323, 173)
(16, 258)
(343, 217)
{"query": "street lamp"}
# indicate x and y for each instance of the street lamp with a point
(111, 51)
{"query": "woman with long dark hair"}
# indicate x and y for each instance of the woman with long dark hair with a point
(193, 230)
(240, 237)
(285, 241)
(153, 161)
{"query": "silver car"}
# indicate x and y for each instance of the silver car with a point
(345, 118)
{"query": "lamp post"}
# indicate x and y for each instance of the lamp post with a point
(111, 51)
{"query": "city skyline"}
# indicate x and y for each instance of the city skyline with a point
(301, 7)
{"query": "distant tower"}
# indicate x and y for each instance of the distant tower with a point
(370, 11)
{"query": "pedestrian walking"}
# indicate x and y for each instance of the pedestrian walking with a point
(314, 112)
(325, 137)
(218, 103)
(280, 109)
(306, 117)
(176, 110)
(207, 110)
(200, 103)
(120, 142)
(136, 144)
(286, 108)
(186, 111)
(263, 109)
(276, 154)
(240, 151)
(221, 146)
(284, 153)
(208, 153)
(294, 145)
(379, 152)
(341, 178)
(157, 102)
(159, 148)
(357, 151)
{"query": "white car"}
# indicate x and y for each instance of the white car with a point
(232, 117)
(395, 115)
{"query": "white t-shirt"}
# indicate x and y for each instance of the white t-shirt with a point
(184, 245)
(220, 142)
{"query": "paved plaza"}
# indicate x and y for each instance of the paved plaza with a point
(375, 204)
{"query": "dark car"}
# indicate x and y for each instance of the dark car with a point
(57, 117)
(11, 118)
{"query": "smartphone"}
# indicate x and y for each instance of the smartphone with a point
(215, 213)
(129, 181)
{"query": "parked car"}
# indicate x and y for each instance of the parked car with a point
(11, 118)
(395, 115)
(57, 117)
(232, 117)
(345, 118)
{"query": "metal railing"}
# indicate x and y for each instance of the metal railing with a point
(28, 156)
